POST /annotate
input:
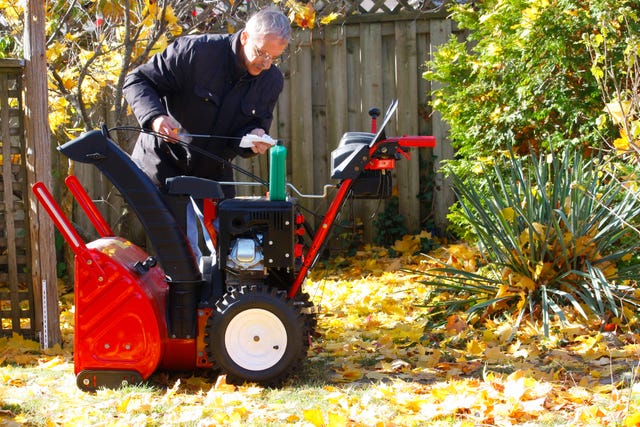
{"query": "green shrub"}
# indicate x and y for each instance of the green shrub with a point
(389, 224)
(523, 78)
(557, 231)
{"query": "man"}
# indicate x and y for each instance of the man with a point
(220, 85)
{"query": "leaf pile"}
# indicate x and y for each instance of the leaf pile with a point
(372, 365)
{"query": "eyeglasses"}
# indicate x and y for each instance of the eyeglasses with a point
(264, 55)
(267, 57)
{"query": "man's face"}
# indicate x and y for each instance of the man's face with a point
(261, 51)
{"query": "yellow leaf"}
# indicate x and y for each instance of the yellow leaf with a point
(56, 361)
(349, 372)
(632, 420)
(514, 388)
(407, 246)
(508, 214)
(240, 413)
(622, 143)
(174, 26)
(475, 347)
(337, 420)
(303, 15)
(461, 251)
(524, 282)
(122, 405)
(55, 50)
(314, 416)
(455, 324)
(329, 18)
(221, 384)
(618, 110)
(494, 354)
(590, 414)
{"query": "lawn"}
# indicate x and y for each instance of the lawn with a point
(371, 365)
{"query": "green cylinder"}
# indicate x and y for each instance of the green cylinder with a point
(277, 172)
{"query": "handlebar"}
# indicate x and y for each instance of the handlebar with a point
(417, 141)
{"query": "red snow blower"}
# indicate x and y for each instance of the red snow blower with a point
(240, 311)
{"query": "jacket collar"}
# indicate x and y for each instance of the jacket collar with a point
(239, 69)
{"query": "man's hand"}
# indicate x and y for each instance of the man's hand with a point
(166, 125)
(260, 147)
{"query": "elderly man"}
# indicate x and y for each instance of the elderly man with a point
(222, 85)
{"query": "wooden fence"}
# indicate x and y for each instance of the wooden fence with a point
(334, 75)
(16, 295)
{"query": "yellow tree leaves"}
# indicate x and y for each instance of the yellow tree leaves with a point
(90, 47)
(153, 13)
(615, 52)
(624, 114)
(302, 14)
(18, 350)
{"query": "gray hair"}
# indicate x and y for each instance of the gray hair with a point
(269, 21)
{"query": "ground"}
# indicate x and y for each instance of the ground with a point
(372, 363)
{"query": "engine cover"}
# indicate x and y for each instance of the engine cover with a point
(256, 234)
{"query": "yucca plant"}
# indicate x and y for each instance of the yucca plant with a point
(556, 232)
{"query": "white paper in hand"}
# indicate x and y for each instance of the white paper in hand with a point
(249, 139)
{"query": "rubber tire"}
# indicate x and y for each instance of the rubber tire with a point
(278, 308)
(311, 319)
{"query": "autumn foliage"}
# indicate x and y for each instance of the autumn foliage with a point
(373, 365)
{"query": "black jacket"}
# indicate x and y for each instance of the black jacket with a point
(199, 80)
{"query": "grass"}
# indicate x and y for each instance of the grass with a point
(362, 372)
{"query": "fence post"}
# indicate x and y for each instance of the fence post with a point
(38, 161)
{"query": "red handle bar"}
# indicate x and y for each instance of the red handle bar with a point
(416, 141)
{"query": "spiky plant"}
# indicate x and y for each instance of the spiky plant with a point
(556, 232)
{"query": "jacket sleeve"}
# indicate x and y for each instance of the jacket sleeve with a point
(163, 74)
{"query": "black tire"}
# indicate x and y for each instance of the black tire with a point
(304, 300)
(256, 334)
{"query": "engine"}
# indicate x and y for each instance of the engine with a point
(258, 241)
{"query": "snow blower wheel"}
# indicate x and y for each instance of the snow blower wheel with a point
(257, 334)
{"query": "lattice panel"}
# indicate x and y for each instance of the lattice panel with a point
(16, 296)
(395, 6)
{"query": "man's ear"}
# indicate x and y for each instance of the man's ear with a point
(243, 38)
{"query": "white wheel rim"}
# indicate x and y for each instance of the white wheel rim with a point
(255, 339)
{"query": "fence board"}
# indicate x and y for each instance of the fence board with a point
(440, 32)
(372, 83)
(336, 87)
(321, 151)
(301, 152)
(354, 92)
(336, 84)
(408, 171)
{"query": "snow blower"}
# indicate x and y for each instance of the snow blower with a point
(240, 311)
